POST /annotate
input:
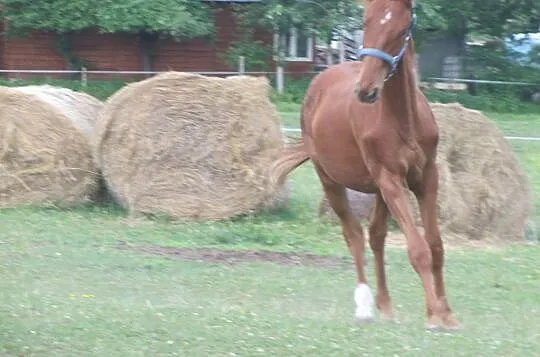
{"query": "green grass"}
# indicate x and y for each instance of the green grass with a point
(290, 119)
(517, 124)
(66, 290)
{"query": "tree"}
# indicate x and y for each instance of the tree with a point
(180, 19)
(491, 18)
(318, 17)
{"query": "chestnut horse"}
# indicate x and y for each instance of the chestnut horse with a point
(366, 126)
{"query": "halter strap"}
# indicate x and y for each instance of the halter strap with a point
(392, 61)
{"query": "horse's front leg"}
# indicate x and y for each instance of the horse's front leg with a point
(426, 193)
(378, 229)
(393, 192)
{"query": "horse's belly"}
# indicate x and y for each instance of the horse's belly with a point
(341, 160)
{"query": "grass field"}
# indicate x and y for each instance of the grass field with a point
(79, 283)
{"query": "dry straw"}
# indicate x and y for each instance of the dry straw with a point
(483, 191)
(45, 155)
(190, 147)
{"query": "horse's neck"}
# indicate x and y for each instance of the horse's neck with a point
(399, 96)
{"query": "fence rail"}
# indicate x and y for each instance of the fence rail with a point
(522, 138)
(84, 78)
(481, 81)
(241, 71)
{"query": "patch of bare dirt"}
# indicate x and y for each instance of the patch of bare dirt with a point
(231, 257)
(235, 257)
(454, 242)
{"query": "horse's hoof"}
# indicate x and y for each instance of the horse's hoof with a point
(388, 318)
(433, 324)
(450, 324)
(447, 324)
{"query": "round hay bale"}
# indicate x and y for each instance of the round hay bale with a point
(45, 154)
(190, 146)
(483, 192)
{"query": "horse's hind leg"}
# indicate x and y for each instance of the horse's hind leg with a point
(427, 202)
(354, 236)
(378, 229)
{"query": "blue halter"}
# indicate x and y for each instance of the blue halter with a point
(392, 61)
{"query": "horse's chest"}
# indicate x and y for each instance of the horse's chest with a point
(396, 155)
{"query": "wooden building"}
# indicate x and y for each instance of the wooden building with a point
(122, 51)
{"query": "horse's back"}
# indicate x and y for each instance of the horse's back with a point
(330, 91)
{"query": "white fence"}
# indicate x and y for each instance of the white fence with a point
(84, 73)
(279, 75)
(522, 138)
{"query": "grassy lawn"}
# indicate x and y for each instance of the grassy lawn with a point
(66, 289)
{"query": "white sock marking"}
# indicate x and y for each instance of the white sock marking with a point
(364, 302)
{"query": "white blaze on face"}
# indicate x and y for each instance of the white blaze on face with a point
(386, 17)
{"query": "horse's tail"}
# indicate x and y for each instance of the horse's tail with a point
(291, 157)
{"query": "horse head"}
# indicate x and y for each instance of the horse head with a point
(387, 31)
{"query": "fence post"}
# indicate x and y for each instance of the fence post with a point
(84, 76)
(241, 65)
(280, 79)
(341, 49)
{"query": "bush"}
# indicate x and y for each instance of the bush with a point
(490, 97)
(503, 101)
(98, 88)
(494, 98)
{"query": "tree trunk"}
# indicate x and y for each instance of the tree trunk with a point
(148, 43)
(64, 46)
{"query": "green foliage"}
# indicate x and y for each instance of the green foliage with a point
(99, 89)
(534, 56)
(318, 17)
(177, 18)
(490, 97)
(493, 61)
(495, 18)
(255, 52)
(61, 16)
(295, 90)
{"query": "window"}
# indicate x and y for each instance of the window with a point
(297, 45)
